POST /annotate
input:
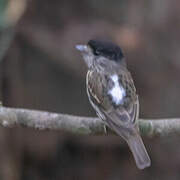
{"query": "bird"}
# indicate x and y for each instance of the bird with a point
(112, 94)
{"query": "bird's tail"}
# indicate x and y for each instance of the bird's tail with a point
(136, 145)
(139, 151)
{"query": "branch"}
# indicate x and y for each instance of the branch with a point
(12, 117)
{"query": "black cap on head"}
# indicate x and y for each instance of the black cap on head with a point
(106, 49)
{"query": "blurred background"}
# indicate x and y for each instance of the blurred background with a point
(40, 69)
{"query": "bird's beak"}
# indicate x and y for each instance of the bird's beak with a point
(82, 48)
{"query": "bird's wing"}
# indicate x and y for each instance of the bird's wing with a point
(123, 114)
(122, 117)
(126, 113)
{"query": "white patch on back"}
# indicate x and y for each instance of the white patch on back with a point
(117, 92)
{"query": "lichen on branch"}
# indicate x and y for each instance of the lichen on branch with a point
(41, 120)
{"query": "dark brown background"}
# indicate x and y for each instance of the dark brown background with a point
(42, 70)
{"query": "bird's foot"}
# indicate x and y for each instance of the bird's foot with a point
(105, 129)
